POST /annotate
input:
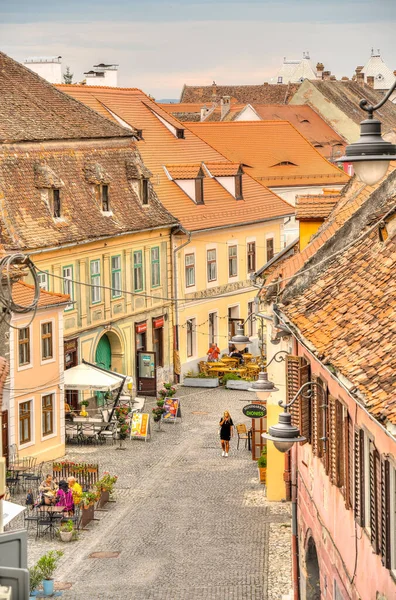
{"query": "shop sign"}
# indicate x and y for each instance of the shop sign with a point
(70, 345)
(158, 323)
(254, 411)
(141, 327)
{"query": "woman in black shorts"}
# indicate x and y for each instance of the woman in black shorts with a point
(226, 432)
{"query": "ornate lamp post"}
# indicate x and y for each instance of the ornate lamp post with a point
(371, 155)
(263, 386)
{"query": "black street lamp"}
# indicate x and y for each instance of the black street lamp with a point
(263, 386)
(284, 434)
(371, 155)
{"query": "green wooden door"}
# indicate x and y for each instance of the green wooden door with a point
(103, 359)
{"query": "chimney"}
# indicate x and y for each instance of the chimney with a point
(204, 112)
(360, 78)
(214, 92)
(370, 81)
(225, 105)
(344, 78)
(319, 70)
(358, 69)
(333, 78)
(326, 75)
(394, 73)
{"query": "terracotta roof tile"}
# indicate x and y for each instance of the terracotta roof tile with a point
(160, 147)
(273, 152)
(315, 207)
(23, 294)
(183, 171)
(223, 169)
(254, 94)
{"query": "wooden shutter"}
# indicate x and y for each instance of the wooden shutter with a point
(298, 373)
(374, 493)
(340, 448)
(318, 402)
(385, 515)
(348, 428)
(332, 440)
(358, 483)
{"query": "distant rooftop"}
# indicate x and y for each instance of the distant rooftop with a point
(43, 59)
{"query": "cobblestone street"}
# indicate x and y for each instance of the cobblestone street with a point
(188, 523)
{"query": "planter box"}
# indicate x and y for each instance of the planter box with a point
(87, 515)
(210, 382)
(104, 497)
(262, 474)
(238, 384)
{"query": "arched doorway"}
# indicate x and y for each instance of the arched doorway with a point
(313, 573)
(103, 352)
(109, 352)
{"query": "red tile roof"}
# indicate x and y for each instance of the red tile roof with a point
(183, 171)
(160, 147)
(254, 94)
(315, 208)
(23, 294)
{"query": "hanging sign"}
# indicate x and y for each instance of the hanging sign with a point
(140, 425)
(254, 411)
(172, 409)
(158, 323)
(141, 327)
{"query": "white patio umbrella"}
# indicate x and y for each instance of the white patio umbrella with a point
(88, 377)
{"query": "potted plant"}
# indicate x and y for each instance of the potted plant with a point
(47, 565)
(84, 404)
(35, 579)
(168, 391)
(262, 465)
(158, 411)
(89, 498)
(192, 379)
(122, 413)
(66, 531)
(105, 487)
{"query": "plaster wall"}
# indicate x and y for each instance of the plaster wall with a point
(307, 230)
(52, 72)
(248, 114)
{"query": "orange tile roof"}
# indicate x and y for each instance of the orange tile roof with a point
(315, 208)
(223, 169)
(308, 123)
(23, 294)
(262, 147)
(160, 147)
(183, 171)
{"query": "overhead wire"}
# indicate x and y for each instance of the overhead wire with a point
(9, 306)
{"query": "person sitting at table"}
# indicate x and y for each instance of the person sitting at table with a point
(47, 490)
(64, 497)
(236, 354)
(69, 414)
(76, 489)
(213, 353)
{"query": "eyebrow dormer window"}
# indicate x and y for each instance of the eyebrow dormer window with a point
(56, 203)
(199, 192)
(145, 191)
(180, 134)
(238, 187)
(104, 192)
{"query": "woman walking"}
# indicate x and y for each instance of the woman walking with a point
(226, 432)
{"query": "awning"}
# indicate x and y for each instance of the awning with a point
(10, 511)
(88, 377)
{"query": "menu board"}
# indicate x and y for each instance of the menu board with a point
(172, 409)
(140, 425)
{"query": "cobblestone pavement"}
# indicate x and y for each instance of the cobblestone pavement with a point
(188, 523)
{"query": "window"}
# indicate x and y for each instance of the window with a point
(270, 248)
(238, 187)
(96, 291)
(180, 134)
(138, 271)
(251, 322)
(191, 325)
(116, 276)
(280, 79)
(189, 261)
(47, 407)
(199, 192)
(212, 327)
(251, 257)
(43, 280)
(145, 191)
(212, 268)
(232, 261)
(68, 287)
(158, 345)
(24, 346)
(56, 203)
(46, 341)
(155, 267)
(25, 422)
(105, 198)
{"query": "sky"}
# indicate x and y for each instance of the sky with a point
(161, 45)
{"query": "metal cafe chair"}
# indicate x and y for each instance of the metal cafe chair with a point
(33, 479)
(242, 433)
(30, 516)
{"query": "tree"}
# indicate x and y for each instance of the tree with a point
(67, 76)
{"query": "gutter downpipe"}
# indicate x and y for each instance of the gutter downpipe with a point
(295, 555)
(175, 287)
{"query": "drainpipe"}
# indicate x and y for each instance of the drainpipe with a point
(295, 561)
(175, 287)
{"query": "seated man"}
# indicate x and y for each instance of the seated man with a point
(213, 353)
(236, 354)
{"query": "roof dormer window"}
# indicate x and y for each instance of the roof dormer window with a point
(199, 191)
(180, 134)
(56, 203)
(238, 187)
(103, 195)
(285, 163)
(144, 191)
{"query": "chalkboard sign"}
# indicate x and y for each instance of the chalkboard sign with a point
(254, 411)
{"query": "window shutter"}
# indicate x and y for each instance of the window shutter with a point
(340, 449)
(332, 440)
(318, 401)
(385, 514)
(373, 497)
(298, 373)
(348, 436)
(358, 483)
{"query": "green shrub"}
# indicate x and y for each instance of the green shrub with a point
(262, 461)
(230, 377)
(48, 563)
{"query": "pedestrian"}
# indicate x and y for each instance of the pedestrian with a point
(226, 432)
(213, 353)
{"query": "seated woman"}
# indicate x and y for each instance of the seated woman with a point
(47, 490)
(64, 497)
(236, 354)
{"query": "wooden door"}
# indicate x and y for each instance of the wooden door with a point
(4, 433)
(147, 374)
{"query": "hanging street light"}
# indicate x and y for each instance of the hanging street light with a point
(240, 340)
(371, 155)
(263, 386)
(284, 434)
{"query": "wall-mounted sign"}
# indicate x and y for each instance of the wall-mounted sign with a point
(141, 327)
(254, 411)
(158, 323)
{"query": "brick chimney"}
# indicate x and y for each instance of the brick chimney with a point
(358, 69)
(394, 73)
(333, 78)
(370, 81)
(214, 92)
(326, 75)
(225, 105)
(319, 70)
(344, 78)
(360, 78)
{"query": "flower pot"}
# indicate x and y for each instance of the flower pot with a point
(157, 424)
(48, 586)
(66, 536)
(262, 474)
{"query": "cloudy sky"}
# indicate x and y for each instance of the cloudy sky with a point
(160, 44)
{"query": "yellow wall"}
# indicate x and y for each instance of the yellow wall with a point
(35, 380)
(307, 230)
(200, 299)
(117, 316)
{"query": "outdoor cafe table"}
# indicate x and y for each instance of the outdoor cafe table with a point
(223, 370)
(214, 364)
(53, 513)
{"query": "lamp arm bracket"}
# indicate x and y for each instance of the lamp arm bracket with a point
(278, 357)
(364, 105)
(309, 384)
